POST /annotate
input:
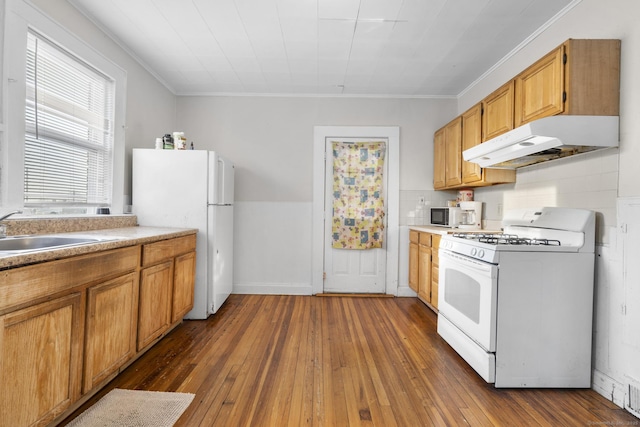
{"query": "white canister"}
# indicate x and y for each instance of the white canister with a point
(159, 144)
(179, 141)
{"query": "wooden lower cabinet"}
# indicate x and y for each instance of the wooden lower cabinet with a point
(413, 259)
(183, 285)
(424, 272)
(112, 311)
(68, 326)
(423, 266)
(154, 317)
(166, 286)
(40, 361)
(435, 263)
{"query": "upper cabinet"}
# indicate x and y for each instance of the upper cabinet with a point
(453, 152)
(450, 171)
(439, 164)
(580, 77)
(540, 89)
(498, 112)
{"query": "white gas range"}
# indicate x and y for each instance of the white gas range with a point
(518, 306)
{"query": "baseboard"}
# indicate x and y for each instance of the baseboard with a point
(405, 291)
(334, 294)
(273, 288)
(609, 388)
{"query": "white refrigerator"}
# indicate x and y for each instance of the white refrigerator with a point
(191, 189)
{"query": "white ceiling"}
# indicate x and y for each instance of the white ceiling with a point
(352, 47)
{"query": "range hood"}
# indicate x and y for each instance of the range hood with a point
(545, 139)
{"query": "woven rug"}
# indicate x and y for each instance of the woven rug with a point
(129, 408)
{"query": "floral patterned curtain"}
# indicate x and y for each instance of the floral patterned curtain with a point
(358, 203)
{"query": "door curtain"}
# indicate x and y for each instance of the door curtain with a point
(358, 196)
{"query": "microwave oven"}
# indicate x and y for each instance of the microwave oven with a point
(445, 217)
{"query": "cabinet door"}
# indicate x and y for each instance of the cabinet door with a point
(413, 266)
(471, 136)
(424, 273)
(154, 312)
(439, 149)
(539, 90)
(435, 270)
(40, 361)
(498, 112)
(111, 328)
(453, 152)
(183, 285)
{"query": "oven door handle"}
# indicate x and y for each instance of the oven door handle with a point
(466, 261)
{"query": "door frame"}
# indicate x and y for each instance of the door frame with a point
(392, 135)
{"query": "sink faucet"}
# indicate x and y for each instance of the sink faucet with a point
(3, 228)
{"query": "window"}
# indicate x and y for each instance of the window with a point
(69, 129)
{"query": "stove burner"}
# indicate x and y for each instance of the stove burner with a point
(506, 239)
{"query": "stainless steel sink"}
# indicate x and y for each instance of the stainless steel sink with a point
(20, 244)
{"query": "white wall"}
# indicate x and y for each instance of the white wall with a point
(593, 181)
(270, 139)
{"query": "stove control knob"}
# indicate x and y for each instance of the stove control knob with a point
(481, 253)
(473, 251)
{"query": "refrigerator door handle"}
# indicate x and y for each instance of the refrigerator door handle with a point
(225, 181)
(221, 180)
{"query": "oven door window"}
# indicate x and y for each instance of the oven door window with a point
(468, 297)
(463, 294)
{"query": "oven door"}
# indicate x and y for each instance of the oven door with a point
(467, 297)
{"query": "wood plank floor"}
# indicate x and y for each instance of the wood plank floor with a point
(337, 361)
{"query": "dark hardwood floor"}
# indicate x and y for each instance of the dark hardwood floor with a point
(338, 361)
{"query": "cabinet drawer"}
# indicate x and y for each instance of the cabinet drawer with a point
(425, 239)
(153, 253)
(413, 236)
(25, 284)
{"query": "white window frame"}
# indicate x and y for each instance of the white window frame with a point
(20, 16)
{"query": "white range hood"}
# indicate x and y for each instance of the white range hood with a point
(546, 139)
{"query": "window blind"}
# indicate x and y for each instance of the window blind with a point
(68, 156)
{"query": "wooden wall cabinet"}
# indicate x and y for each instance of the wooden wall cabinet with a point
(453, 152)
(439, 160)
(497, 115)
(423, 250)
(472, 173)
(450, 170)
(580, 77)
(447, 155)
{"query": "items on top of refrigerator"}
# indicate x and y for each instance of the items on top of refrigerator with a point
(175, 141)
(179, 141)
(167, 139)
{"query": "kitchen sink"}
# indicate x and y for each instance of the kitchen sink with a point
(21, 244)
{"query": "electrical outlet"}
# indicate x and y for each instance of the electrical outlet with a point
(421, 200)
(500, 209)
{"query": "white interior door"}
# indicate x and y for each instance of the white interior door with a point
(347, 270)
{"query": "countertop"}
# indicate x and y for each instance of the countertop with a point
(126, 236)
(447, 230)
